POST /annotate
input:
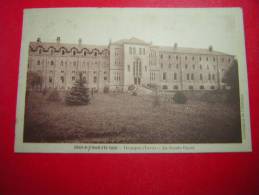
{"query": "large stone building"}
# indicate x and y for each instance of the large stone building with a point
(127, 62)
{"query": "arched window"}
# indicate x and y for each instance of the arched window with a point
(74, 52)
(63, 52)
(84, 53)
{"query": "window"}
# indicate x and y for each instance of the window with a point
(169, 57)
(200, 58)
(207, 58)
(213, 59)
(165, 87)
(146, 68)
(84, 78)
(177, 66)
(222, 59)
(164, 76)
(144, 51)
(140, 51)
(130, 50)
(193, 66)
(50, 79)
(192, 57)
(201, 87)
(95, 79)
(192, 76)
(105, 78)
(209, 76)
(170, 66)
(73, 78)
(186, 66)
(128, 68)
(84, 53)
(191, 87)
(63, 52)
(213, 77)
(95, 53)
(175, 76)
(176, 57)
(40, 51)
(62, 71)
(188, 76)
(134, 50)
(161, 56)
(186, 57)
(38, 62)
(212, 87)
(161, 65)
(62, 79)
(228, 59)
(176, 87)
(201, 78)
(51, 62)
(52, 51)
(74, 52)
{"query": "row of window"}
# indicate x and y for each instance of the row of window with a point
(73, 78)
(193, 58)
(189, 76)
(190, 87)
(74, 63)
(74, 52)
(186, 66)
(141, 51)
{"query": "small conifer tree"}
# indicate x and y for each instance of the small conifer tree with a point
(79, 93)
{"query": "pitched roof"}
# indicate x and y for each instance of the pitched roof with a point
(68, 46)
(190, 50)
(132, 40)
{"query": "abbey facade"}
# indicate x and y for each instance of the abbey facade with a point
(127, 62)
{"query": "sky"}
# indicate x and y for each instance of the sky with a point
(197, 28)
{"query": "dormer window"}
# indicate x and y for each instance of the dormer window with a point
(74, 52)
(95, 54)
(52, 51)
(84, 53)
(40, 51)
(63, 52)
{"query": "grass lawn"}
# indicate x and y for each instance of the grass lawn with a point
(123, 118)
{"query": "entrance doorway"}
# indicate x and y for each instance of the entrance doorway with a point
(137, 71)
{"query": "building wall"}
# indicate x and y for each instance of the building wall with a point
(118, 66)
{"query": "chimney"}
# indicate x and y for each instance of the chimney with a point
(80, 41)
(175, 45)
(58, 39)
(210, 48)
(38, 40)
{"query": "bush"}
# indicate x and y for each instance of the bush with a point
(79, 93)
(44, 91)
(106, 89)
(179, 98)
(54, 96)
(131, 87)
(134, 93)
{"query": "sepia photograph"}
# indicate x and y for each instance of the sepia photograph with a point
(133, 77)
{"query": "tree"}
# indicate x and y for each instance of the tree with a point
(231, 79)
(34, 80)
(79, 93)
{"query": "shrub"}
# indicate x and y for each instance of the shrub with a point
(135, 93)
(131, 87)
(179, 98)
(106, 89)
(54, 96)
(44, 91)
(79, 94)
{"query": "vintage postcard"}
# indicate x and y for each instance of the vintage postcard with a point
(133, 80)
